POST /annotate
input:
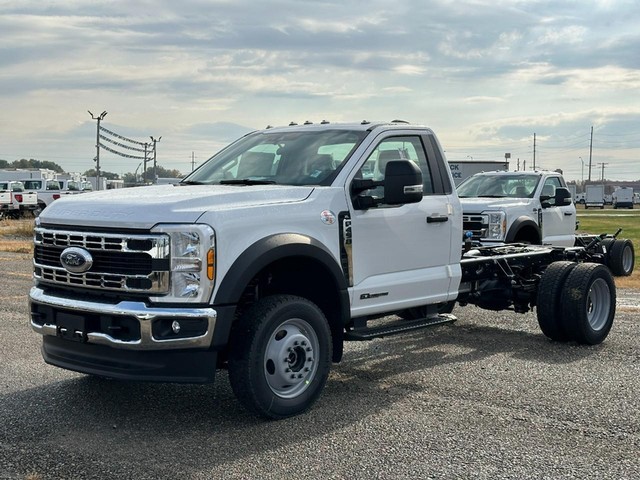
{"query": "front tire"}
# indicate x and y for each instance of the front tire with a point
(588, 303)
(280, 356)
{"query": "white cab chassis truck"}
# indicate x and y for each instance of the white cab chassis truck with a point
(533, 207)
(277, 250)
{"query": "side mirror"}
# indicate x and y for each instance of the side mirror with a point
(563, 197)
(402, 182)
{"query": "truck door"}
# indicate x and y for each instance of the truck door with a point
(558, 222)
(401, 256)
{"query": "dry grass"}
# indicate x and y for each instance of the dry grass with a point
(16, 236)
(21, 228)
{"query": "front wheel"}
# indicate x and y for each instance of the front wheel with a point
(280, 356)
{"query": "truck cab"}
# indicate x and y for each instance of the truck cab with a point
(518, 207)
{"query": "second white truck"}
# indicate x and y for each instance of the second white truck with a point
(518, 207)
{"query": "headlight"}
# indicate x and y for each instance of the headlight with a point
(192, 270)
(497, 226)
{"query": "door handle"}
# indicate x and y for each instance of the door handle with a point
(437, 219)
(568, 214)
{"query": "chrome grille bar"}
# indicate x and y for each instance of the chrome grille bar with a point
(152, 251)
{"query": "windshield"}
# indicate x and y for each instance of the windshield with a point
(499, 186)
(284, 158)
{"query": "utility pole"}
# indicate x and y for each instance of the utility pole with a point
(193, 161)
(603, 164)
(97, 159)
(590, 151)
(155, 174)
(534, 151)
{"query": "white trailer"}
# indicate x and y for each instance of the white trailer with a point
(21, 174)
(460, 171)
(623, 197)
(594, 196)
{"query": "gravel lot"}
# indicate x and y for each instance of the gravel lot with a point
(487, 397)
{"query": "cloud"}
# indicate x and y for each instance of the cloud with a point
(479, 71)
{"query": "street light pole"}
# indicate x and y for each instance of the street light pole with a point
(582, 161)
(155, 141)
(97, 159)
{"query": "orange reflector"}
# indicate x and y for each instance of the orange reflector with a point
(211, 267)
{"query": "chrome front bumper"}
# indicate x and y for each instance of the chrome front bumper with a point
(136, 310)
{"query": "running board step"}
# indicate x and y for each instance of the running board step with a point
(399, 327)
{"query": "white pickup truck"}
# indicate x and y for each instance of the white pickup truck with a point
(518, 207)
(48, 191)
(275, 252)
(15, 200)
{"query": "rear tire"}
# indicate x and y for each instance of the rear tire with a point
(621, 257)
(588, 303)
(279, 356)
(548, 302)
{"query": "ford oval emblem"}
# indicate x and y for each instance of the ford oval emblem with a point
(76, 260)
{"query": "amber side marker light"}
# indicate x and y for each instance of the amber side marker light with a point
(211, 264)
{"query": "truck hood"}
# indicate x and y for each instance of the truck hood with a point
(144, 207)
(480, 204)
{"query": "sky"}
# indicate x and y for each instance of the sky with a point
(486, 76)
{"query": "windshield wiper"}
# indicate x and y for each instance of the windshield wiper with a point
(192, 182)
(246, 181)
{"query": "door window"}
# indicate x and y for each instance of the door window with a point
(549, 189)
(396, 148)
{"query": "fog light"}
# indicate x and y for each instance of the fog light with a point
(175, 326)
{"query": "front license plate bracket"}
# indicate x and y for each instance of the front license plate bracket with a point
(71, 327)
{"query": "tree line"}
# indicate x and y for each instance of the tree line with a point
(129, 178)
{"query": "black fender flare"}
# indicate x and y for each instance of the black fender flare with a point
(519, 224)
(270, 249)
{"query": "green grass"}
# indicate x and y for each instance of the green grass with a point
(609, 221)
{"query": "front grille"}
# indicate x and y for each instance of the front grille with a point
(121, 262)
(476, 224)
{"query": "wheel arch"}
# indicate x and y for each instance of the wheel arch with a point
(290, 264)
(524, 226)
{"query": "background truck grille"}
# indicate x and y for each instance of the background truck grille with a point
(476, 224)
(121, 262)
